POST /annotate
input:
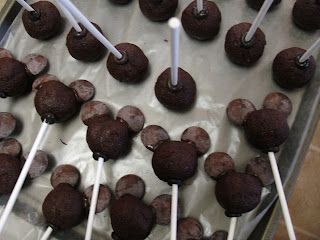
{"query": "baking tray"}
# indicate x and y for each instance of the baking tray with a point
(292, 154)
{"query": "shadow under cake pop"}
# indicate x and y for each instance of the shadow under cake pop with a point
(257, 4)
(158, 10)
(305, 14)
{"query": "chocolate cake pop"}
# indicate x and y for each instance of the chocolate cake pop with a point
(132, 67)
(43, 23)
(189, 228)
(288, 72)
(241, 52)
(306, 15)
(203, 25)
(9, 172)
(64, 207)
(84, 46)
(8, 124)
(131, 218)
(238, 193)
(13, 78)
(257, 4)
(178, 98)
(158, 10)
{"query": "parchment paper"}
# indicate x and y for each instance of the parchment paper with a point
(218, 82)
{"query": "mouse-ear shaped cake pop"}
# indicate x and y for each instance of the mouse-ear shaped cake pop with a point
(93, 109)
(278, 101)
(218, 164)
(198, 137)
(152, 136)
(133, 116)
(158, 10)
(5, 53)
(238, 110)
(83, 89)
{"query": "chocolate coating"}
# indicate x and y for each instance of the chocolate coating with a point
(179, 99)
(131, 218)
(158, 10)
(204, 25)
(174, 161)
(238, 193)
(189, 228)
(108, 137)
(287, 73)
(257, 4)
(132, 68)
(306, 15)
(64, 207)
(84, 46)
(55, 98)
(266, 129)
(237, 50)
(13, 78)
(47, 25)
(130, 184)
(9, 173)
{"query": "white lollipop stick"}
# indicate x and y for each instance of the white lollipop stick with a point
(282, 197)
(23, 175)
(258, 20)
(311, 50)
(69, 16)
(89, 26)
(47, 233)
(174, 210)
(232, 228)
(175, 25)
(94, 199)
(25, 5)
(199, 5)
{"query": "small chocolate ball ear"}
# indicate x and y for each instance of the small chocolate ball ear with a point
(217, 164)
(152, 136)
(83, 89)
(5, 53)
(238, 111)
(93, 109)
(197, 136)
(39, 81)
(133, 117)
(36, 64)
(278, 101)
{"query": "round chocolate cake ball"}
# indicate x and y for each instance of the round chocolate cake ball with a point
(238, 193)
(84, 46)
(122, 2)
(158, 10)
(44, 23)
(108, 138)
(133, 66)
(174, 162)
(288, 72)
(56, 102)
(179, 98)
(241, 52)
(9, 172)
(64, 207)
(306, 15)
(257, 4)
(203, 25)
(131, 218)
(266, 129)
(13, 78)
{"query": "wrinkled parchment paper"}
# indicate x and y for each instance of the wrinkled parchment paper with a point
(218, 82)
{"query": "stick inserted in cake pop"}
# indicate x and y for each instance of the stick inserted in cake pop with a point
(174, 211)
(175, 25)
(47, 233)
(199, 5)
(258, 20)
(70, 18)
(282, 197)
(94, 199)
(23, 175)
(310, 51)
(90, 27)
(232, 228)
(26, 6)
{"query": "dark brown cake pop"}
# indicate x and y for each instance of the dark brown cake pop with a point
(131, 218)
(9, 173)
(266, 129)
(13, 78)
(64, 207)
(257, 4)
(158, 10)
(108, 138)
(202, 25)
(288, 72)
(84, 46)
(189, 228)
(306, 15)
(238, 193)
(44, 23)
(56, 101)
(174, 162)
(178, 98)
(241, 52)
(133, 66)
